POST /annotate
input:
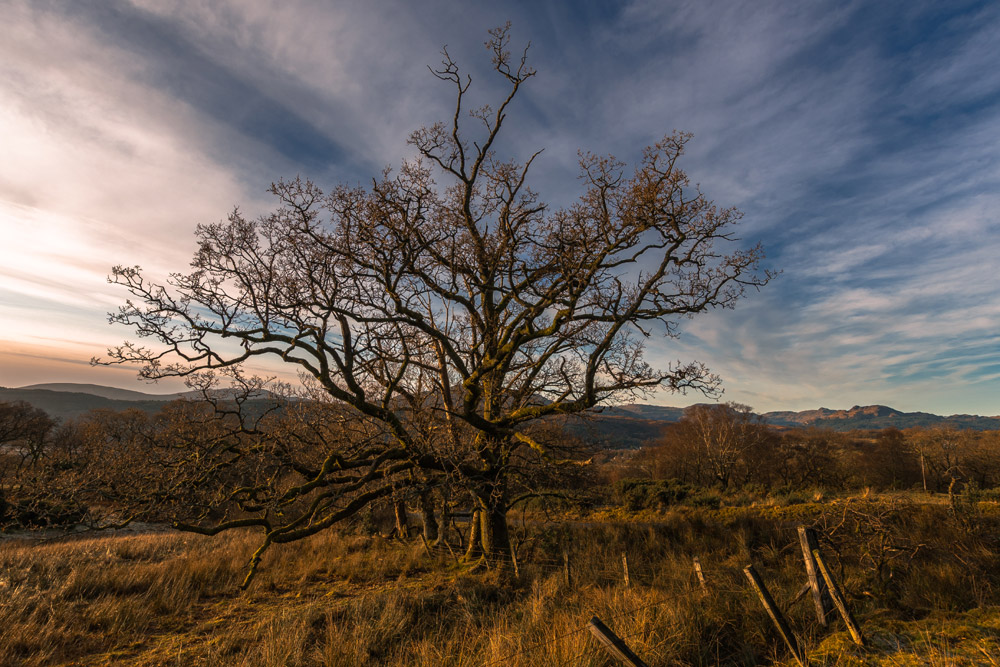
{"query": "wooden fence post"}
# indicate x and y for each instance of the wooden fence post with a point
(821, 599)
(452, 551)
(838, 600)
(566, 578)
(701, 575)
(613, 644)
(628, 584)
(774, 613)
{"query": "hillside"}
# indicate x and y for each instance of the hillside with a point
(113, 393)
(69, 404)
(619, 426)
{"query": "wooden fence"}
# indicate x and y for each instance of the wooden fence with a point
(819, 583)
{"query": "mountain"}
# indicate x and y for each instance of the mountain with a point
(876, 417)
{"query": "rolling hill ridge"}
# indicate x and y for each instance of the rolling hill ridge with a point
(621, 425)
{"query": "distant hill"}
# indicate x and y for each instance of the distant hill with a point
(66, 400)
(629, 426)
(642, 411)
(615, 432)
(624, 426)
(105, 392)
(68, 404)
(619, 426)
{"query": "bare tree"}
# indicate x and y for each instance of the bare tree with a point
(724, 439)
(24, 429)
(448, 305)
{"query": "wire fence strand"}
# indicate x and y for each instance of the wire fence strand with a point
(719, 581)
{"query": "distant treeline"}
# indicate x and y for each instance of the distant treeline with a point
(196, 461)
(728, 446)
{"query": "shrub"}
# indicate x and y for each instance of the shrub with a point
(637, 494)
(41, 513)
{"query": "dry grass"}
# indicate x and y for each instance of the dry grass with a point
(172, 599)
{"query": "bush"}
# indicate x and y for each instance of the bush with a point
(988, 495)
(41, 514)
(789, 495)
(706, 498)
(637, 494)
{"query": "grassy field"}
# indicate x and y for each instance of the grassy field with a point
(922, 578)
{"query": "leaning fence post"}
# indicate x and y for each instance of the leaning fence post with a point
(566, 578)
(774, 613)
(821, 599)
(613, 644)
(838, 600)
(701, 575)
(628, 584)
(427, 547)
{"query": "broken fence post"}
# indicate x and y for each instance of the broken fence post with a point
(566, 578)
(613, 644)
(451, 551)
(628, 584)
(774, 613)
(801, 594)
(838, 600)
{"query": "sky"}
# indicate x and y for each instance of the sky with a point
(861, 140)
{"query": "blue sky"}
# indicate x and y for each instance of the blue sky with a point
(861, 140)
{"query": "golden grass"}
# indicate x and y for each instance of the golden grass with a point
(173, 599)
(970, 639)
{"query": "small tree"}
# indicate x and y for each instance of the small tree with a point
(893, 462)
(449, 305)
(24, 433)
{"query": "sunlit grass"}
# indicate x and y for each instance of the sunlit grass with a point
(173, 599)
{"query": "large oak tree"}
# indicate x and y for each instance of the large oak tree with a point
(447, 304)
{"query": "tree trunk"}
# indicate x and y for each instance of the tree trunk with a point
(402, 520)
(923, 471)
(475, 548)
(445, 520)
(427, 515)
(491, 508)
(495, 536)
